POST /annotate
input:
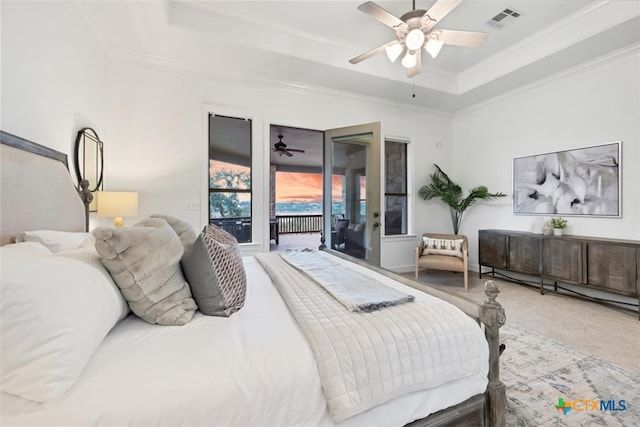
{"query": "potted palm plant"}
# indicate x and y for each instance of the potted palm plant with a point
(441, 186)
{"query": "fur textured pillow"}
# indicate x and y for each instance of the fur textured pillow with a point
(183, 229)
(214, 269)
(144, 261)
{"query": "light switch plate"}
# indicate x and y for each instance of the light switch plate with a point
(193, 205)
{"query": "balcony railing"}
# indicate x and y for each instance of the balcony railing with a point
(283, 224)
(288, 224)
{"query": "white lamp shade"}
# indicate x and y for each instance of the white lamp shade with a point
(394, 50)
(433, 46)
(410, 60)
(415, 39)
(117, 204)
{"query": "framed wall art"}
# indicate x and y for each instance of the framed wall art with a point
(582, 181)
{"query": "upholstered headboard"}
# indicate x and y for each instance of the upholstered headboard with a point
(37, 192)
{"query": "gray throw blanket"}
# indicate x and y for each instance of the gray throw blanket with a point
(356, 291)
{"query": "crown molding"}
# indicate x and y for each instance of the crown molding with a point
(438, 87)
(201, 71)
(137, 59)
(88, 17)
(256, 33)
(616, 56)
(174, 7)
(575, 28)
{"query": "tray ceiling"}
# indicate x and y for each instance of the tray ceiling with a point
(308, 43)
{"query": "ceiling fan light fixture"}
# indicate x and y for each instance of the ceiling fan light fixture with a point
(417, 29)
(414, 39)
(433, 46)
(410, 60)
(394, 50)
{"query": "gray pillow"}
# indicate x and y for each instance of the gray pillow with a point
(214, 269)
(144, 261)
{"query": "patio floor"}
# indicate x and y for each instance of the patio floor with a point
(296, 241)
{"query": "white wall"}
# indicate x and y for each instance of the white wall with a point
(54, 74)
(158, 144)
(592, 106)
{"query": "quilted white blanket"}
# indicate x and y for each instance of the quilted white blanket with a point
(366, 359)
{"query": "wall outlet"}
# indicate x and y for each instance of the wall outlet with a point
(193, 205)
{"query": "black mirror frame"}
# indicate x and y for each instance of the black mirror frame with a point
(82, 135)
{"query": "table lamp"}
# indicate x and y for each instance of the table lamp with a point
(117, 204)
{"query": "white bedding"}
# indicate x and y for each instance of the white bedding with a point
(366, 359)
(253, 368)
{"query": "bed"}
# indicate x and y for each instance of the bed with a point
(258, 366)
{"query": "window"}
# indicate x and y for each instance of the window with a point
(395, 189)
(230, 175)
(361, 196)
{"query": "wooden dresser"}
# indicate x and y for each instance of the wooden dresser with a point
(611, 265)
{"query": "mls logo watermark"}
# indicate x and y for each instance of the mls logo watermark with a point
(590, 405)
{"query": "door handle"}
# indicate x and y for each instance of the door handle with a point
(376, 224)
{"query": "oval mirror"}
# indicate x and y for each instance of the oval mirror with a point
(88, 158)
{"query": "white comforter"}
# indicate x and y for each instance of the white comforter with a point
(252, 369)
(366, 359)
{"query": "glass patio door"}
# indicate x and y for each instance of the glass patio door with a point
(352, 191)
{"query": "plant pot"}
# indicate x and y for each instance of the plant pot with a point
(557, 231)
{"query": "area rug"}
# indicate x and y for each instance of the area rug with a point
(551, 384)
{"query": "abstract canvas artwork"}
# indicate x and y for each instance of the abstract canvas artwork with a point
(584, 181)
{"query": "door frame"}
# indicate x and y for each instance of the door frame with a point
(373, 197)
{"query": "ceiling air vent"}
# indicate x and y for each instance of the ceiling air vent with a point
(504, 18)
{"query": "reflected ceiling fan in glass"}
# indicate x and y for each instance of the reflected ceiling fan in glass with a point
(415, 30)
(281, 148)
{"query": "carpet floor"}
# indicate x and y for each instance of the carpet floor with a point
(560, 347)
(538, 371)
(608, 333)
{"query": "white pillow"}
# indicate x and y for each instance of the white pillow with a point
(56, 241)
(442, 246)
(26, 249)
(55, 310)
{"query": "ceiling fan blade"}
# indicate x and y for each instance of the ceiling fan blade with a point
(376, 12)
(463, 38)
(414, 71)
(438, 11)
(368, 54)
(297, 150)
(288, 153)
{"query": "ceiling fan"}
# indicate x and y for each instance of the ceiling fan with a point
(281, 147)
(415, 30)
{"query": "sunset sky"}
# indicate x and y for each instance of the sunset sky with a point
(304, 187)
